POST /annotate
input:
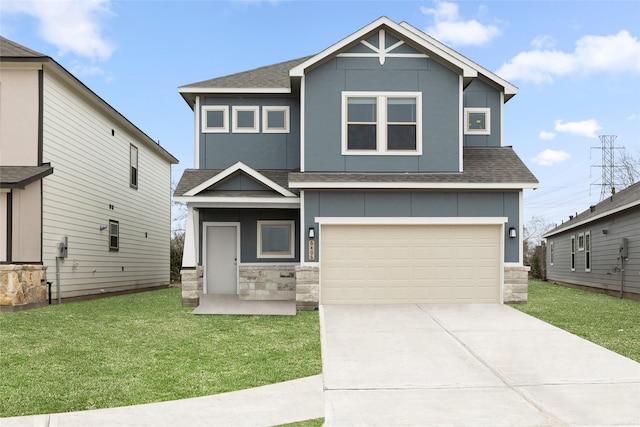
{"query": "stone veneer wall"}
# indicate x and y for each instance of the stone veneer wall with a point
(191, 286)
(307, 287)
(516, 284)
(22, 286)
(267, 282)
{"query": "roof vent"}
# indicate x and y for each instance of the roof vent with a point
(593, 208)
(570, 217)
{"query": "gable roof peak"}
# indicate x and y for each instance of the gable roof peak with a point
(11, 49)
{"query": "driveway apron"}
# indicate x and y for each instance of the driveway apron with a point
(468, 365)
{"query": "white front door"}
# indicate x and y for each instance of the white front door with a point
(221, 259)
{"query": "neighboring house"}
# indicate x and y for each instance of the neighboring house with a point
(599, 248)
(374, 171)
(75, 171)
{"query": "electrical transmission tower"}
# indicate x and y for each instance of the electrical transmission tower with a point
(608, 165)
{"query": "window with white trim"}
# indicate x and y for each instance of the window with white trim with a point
(581, 242)
(133, 166)
(381, 123)
(215, 119)
(477, 121)
(275, 119)
(551, 252)
(587, 251)
(276, 239)
(573, 253)
(114, 235)
(245, 119)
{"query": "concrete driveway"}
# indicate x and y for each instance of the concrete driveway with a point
(468, 365)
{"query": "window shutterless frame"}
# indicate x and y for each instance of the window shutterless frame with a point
(276, 239)
(477, 121)
(245, 119)
(573, 253)
(114, 235)
(275, 119)
(587, 251)
(215, 119)
(133, 166)
(382, 123)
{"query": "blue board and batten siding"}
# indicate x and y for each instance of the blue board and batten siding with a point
(440, 113)
(415, 204)
(606, 265)
(480, 95)
(258, 150)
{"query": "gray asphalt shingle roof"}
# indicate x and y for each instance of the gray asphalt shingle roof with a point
(21, 176)
(498, 165)
(630, 195)
(10, 49)
(270, 76)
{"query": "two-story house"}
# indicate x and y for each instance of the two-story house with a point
(84, 193)
(374, 171)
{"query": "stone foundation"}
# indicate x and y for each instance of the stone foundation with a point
(516, 285)
(307, 287)
(267, 282)
(191, 286)
(22, 286)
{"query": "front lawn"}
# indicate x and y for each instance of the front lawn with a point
(143, 348)
(608, 321)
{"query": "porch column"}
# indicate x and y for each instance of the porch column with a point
(191, 273)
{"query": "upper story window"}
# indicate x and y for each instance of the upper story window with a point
(215, 119)
(133, 166)
(477, 121)
(387, 123)
(245, 119)
(275, 119)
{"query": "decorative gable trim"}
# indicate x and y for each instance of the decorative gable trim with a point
(382, 51)
(239, 166)
(467, 70)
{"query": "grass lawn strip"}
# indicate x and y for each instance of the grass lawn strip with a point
(143, 348)
(608, 321)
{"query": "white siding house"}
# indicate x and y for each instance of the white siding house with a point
(108, 194)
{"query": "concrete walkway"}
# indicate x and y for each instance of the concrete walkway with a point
(468, 365)
(269, 405)
(232, 304)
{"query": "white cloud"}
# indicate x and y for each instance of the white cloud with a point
(543, 42)
(546, 136)
(588, 128)
(633, 116)
(451, 29)
(592, 54)
(70, 25)
(550, 157)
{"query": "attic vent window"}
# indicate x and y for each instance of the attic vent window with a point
(275, 119)
(477, 121)
(245, 119)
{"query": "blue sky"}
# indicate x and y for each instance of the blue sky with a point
(576, 63)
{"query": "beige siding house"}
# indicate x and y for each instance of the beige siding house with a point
(75, 171)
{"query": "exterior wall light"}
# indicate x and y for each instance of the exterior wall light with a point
(512, 233)
(312, 233)
(103, 227)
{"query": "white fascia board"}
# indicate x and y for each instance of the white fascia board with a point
(299, 70)
(411, 220)
(240, 202)
(509, 89)
(239, 166)
(212, 90)
(411, 185)
(595, 218)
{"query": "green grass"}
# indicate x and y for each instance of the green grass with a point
(317, 422)
(143, 348)
(608, 321)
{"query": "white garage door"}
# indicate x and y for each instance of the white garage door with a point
(410, 263)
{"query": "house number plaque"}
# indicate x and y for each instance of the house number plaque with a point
(312, 249)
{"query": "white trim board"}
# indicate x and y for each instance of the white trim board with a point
(410, 185)
(240, 202)
(411, 220)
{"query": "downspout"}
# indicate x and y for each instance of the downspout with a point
(622, 276)
(58, 279)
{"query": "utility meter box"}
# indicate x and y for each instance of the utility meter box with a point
(62, 247)
(624, 249)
